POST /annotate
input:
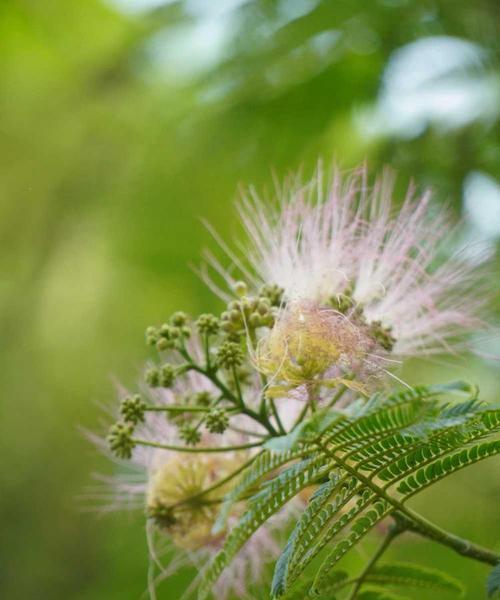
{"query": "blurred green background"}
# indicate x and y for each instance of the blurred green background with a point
(123, 122)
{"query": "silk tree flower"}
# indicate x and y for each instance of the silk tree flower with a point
(364, 284)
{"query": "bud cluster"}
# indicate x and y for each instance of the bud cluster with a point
(161, 377)
(120, 439)
(169, 335)
(251, 312)
(217, 421)
(223, 339)
(208, 324)
(132, 409)
(189, 434)
(229, 355)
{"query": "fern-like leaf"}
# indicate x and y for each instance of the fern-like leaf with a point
(264, 465)
(493, 583)
(441, 468)
(409, 575)
(358, 530)
(263, 506)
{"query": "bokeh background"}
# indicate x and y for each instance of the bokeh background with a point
(123, 122)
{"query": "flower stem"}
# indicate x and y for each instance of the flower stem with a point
(262, 419)
(219, 483)
(337, 396)
(277, 416)
(178, 408)
(140, 442)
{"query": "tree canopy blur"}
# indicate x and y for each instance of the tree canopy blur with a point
(123, 122)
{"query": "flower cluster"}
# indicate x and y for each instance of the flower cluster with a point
(339, 287)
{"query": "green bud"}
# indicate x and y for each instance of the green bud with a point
(235, 316)
(202, 398)
(132, 409)
(273, 293)
(153, 377)
(240, 289)
(167, 375)
(165, 330)
(255, 320)
(217, 420)
(226, 326)
(151, 336)
(120, 440)
(189, 434)
(163, 344)
(207, 324)
(186, 332)
(229, 355)
(179, 319)
(264, 306)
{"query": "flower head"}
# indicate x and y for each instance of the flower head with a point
(360, 279)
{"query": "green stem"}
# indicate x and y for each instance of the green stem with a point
(237, 385)
(311, 400)
(415, 522)
(179, 408)
(195, 449)
(302, 415)
(262, 419)
(393, 532)
(337, 396)
(245, 432)
(219, 483)
(207, 351)
(277, 416)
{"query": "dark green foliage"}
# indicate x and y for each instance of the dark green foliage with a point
(365, 465)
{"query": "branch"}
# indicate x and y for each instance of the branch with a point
(412, 521)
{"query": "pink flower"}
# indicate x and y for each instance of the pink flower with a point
(344, 245)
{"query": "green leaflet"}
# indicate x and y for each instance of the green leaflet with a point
(310, 530)
(441, 468)
(442, 442)
(409, 575)
(423, 392)
(263, 466)
(318, 540)
(302, 589)
(493, 583)
(358, 530)
(275, 494)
